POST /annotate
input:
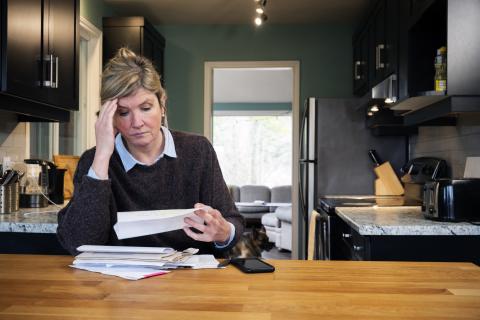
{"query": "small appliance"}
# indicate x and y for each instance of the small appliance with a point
(452, 200)
(419, 171)
(43, 182)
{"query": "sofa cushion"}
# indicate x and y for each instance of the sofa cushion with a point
(284, 213)
(271, 220)
(250, 193)
(251, 209)
(234, 192)
(281, 194)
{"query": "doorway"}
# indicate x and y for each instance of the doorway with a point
(251, 112)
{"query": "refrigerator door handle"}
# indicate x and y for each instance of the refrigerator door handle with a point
(307, 161)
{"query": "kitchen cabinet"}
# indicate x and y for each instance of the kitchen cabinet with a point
(39, 57)
(361, 63)
(137, 34)
(453, 24)
(354, 246)
(375, 47)
(384, 39)
(412, 32)
(434, 24)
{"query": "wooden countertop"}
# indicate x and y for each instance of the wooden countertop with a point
(44, 287)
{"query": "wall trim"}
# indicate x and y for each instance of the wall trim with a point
(93, 36)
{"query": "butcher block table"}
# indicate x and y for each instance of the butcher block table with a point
(44, 287)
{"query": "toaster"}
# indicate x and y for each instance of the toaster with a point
(452, 200)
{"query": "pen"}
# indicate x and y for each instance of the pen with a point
(154, 274)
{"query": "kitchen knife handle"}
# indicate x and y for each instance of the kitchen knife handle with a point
(374, 156)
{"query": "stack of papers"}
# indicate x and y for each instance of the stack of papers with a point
(135, 263)
(132, 224)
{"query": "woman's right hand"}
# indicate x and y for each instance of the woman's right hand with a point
(105, 138)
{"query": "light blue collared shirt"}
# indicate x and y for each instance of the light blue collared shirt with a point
(129, 162)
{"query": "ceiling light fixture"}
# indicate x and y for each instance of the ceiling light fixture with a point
(374, 108)
(260, 17)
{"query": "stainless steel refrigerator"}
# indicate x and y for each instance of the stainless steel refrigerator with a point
(334, 144)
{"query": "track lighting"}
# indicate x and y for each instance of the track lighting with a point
(391, 100)
(261, 17)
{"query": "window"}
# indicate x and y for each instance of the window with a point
(254, 149)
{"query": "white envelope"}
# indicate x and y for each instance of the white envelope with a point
(132, 224)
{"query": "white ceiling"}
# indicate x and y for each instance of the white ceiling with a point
(241, 11)
(252, 85)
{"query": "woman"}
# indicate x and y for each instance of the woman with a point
(139, 164)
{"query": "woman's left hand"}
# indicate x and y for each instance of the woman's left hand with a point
(215, 227)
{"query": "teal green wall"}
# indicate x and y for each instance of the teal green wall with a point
(94, 10)
(324, 52)
(252, 106)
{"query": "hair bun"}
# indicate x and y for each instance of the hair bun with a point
(125, 53)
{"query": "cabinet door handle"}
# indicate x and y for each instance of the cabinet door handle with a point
(55, 84)
(378, 57)
(324, 233)
(356, 73)
(48, 82)
(346, 235)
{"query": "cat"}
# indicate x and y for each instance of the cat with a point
(251, 244)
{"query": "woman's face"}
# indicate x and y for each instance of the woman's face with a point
(139, 118)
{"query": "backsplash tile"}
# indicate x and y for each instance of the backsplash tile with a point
(454, 144)
(12, 137)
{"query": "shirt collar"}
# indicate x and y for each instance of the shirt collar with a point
(129, 161)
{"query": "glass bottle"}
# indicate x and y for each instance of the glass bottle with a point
(441, 70)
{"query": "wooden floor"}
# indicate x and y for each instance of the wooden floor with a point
(277, 254)
(44, 287)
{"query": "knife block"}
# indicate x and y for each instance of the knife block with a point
(387, 182)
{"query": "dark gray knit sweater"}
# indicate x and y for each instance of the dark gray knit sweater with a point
(170, 183)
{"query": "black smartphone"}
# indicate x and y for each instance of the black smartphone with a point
(252, 265)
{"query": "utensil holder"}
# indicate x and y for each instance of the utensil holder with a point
(9, 198)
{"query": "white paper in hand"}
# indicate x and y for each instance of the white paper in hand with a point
(132, 224)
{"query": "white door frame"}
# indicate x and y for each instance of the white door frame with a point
(93, 36)
(90, 101)
(207, 121)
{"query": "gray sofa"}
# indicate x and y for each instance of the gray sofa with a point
(278, 225)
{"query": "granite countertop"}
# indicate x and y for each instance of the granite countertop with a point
(30, 220)
(400, 221)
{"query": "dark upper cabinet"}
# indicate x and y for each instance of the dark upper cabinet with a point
(137, 34)
(453, 24)
(61, 37)
(361, 63)
(375, 47)
(21, 63)
(39, 57)
(384, 39)
(431, 25)
(404, 37)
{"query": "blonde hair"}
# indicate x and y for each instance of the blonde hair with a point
(125, 73)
